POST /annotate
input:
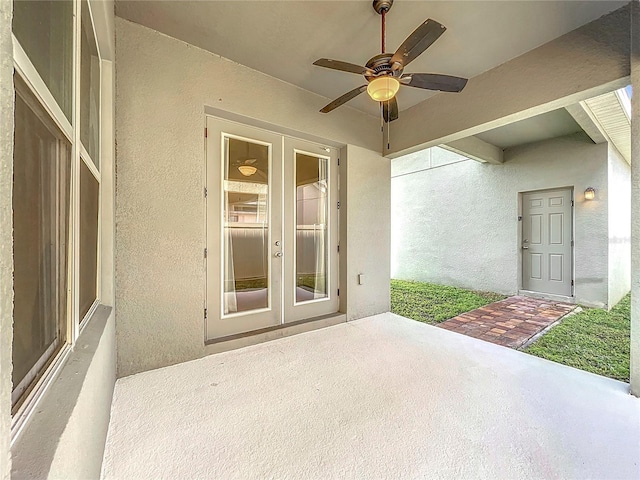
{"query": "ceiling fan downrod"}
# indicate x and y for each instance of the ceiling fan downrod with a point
(383, 31)
(382, 7)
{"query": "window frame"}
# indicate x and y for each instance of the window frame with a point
(49, 365)
(84, 156)
(39, 368)
(82, 322)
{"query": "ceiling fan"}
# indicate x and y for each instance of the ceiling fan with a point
(384, 72)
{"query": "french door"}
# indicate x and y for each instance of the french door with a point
(271, 229)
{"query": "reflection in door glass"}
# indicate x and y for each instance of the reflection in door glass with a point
(246, 226)
(311, 227)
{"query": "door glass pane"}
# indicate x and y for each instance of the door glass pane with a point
(311, 227)
(246, 226)
(41, 186)
(89, 89)
(45, 32)
(89, 195)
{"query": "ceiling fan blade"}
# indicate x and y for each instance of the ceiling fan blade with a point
(343, 99)
(390, 110)
(343, 66)
(416, 43)
(434, 81)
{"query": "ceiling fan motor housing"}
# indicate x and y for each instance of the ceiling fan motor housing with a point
(381, 65)
(382, 5)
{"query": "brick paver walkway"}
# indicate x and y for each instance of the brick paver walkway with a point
(510, 322)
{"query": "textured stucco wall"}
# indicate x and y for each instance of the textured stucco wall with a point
(619, 175)
(6, 232)
(368, 232)
(162, 88)
(65, 438)
(457, 224)
(425, 160)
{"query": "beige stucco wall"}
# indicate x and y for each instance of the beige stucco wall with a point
(6, 234)
(368, 232)
(163, 87)
(457, 224)
(424, 160)
(619, 175)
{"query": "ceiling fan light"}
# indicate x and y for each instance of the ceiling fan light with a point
(247, 170)
(384, 88)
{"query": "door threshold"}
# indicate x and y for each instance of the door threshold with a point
(254, 337)
(547, 296)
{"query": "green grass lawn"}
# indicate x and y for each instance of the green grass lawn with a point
(593, 340)
(432, 304)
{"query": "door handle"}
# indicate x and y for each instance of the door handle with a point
(277, 254)
(524, 247)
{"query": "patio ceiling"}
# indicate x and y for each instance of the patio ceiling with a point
(534, 129)
(380, 397)
(282, 39)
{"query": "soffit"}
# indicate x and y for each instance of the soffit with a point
(283, 38)
(556, 123)
(609, 114)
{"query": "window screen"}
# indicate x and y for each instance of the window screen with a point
(89, 196)
(89, 89)
(45, 32)
(41, 186)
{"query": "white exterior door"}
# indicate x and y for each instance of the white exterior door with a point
(271, 229)
(311, 230)
(244, 228)
(547, 242)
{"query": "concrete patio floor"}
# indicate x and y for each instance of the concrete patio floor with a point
(381, 397)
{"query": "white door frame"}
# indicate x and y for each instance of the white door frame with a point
(216, 327)
(546, 296)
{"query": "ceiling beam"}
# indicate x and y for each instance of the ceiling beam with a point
(476, 149)
(586, 122)
(581, 64)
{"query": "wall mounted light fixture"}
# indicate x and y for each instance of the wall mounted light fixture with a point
(590, 193)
